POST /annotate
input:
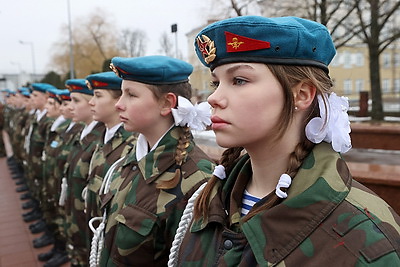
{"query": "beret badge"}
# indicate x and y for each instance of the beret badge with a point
(207, 48)
(114, 69)
(89, 85)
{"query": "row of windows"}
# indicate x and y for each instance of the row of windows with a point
(387, 85)
(349, 60)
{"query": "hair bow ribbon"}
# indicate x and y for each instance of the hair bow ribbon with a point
(197, 117)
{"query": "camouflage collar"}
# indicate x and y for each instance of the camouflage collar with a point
(321, 184)
(162, 158)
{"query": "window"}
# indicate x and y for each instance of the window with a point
(397, 60)
(359, 59)
(359, 85)
(397, 86)
(385, 86)
(347, 87)
(347, 60)
(386, 60)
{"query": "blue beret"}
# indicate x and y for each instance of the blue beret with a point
(284, 40)
(78, 86)
(104, 80)
(64, 94)
(152, 69)
(41, 87)
(26, 93)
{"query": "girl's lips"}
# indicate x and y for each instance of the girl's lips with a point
(218, 123)
(216, 119)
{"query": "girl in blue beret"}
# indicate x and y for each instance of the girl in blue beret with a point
(144, 193)
(76, 171)
(115, 143)
(282, 194)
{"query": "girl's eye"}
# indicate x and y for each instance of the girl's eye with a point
(239, 81)
(214, 85)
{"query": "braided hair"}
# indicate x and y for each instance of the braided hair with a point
(185, 90)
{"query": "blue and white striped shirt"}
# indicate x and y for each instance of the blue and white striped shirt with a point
(248, 202)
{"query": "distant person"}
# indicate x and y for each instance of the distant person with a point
(283, 195)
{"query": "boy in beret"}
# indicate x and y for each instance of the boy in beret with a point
(144, 192)
(290, 199)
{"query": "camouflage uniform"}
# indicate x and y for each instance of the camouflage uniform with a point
(142, 220)
(35, 162)
(103, 157)
(76, 172)
(328, 219)
(60, 154)
(48, 178)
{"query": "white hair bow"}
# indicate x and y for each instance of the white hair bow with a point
(197, 117)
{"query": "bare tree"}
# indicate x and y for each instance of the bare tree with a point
(379, 29)
(166, 47)
(133, 42)
(94, 40)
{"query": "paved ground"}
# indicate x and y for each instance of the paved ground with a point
(16, 248)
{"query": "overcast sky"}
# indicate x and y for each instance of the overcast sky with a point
(40, 22)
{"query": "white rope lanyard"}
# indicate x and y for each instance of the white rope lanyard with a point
(184, 224)
(98, 233)
(63, 195)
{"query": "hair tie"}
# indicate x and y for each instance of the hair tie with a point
(284, 182)
(219, 171)
(197, 117)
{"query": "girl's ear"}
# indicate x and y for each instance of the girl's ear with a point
(304, 94)
(168, 102)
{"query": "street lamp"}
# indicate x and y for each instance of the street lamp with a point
(33, 54)
(174, 29)
(71, 47)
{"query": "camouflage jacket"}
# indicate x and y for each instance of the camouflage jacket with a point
(63, 146)
(50, 159)
(37, 140)
(328, 219)
(142, 219)
(103, 157)
(76, 173)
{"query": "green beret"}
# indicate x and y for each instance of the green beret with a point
(284, 41)
(152, 69)
(104, 80)
(78, 86)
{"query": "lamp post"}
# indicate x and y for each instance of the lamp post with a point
(33, 55)
(71, 49)
(174, 29)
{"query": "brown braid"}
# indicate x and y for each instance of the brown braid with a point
(228, 159)
(180, 156)
(296, 159)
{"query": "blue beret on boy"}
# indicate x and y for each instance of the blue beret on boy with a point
(104, 80)
(41, 87)
(284, 41)
(78, 86)
(152, 69)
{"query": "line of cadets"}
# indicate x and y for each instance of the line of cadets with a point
(64, 142)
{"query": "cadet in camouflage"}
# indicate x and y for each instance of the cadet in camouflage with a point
(76, 170)
(151, 185)
(290, 199)
(116, 143)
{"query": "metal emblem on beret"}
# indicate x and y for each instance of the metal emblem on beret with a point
(207, 48)
(89, 85)
(114, 69)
